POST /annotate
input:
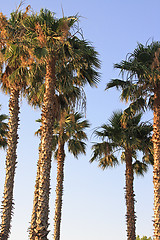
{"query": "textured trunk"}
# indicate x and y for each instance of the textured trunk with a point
(130, 216)
(48, 113)
(35, 204)
(10, 164)
(156, 170)
(59, 189)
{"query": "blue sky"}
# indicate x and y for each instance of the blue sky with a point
(94, 202)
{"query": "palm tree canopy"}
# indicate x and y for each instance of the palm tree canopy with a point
(135, 136)
(14, 57)
(72, 131)
(141, 72)
(77, 61)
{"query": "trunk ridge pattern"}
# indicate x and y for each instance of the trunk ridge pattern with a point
(10, 164)
(59, 189)
(130, 216)
(45, 154)
(156, 170)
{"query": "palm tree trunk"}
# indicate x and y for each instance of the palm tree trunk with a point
(156, 169)
(59, 189)
(130, 216)
(48, 113)
(33, 225)
(10, 164)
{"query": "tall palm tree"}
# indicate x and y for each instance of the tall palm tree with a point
(128, 139)
(13, 80)
(142, 88)
(52, 42)
(68, 98)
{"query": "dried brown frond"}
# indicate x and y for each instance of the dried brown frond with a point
(155, 63)
(5, 77)
(3, 30)
(40, 35)
(64, 29)
(27, 9)
(3, 20)
(26, 62)
(63, 33)
(1, 57)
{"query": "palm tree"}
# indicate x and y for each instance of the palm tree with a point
(128, 139)
(70, 130)
(50, 41)
(142, 88)
(68, 98)
(13, 80)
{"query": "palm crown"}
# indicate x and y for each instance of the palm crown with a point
(70, 129)
(115, 137)
(14, 58)
(141, 70)
(73, 132)
(76, 59)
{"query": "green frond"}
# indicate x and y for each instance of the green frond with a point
(108, 161)
(140, 168)
(140, 73)
(117, 136)
(76, 147)
(71, 129)
(101, 149)
(119, 84)
(40, 52)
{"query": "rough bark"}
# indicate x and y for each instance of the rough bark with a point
(59, 189)
(7, 204)
(130, 216)
(35, 204)
(156, 169)
(48, 114)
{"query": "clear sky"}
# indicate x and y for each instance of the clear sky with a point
(94, 202)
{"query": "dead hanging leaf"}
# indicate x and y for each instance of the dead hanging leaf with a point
(41, 37)
(28, 8)
(155, 63)
(3, 31)
(64, 27)
(1, 56)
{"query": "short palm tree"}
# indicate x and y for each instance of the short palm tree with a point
(128, 139)
(70, 130)
(52, 42)
(142, 87)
